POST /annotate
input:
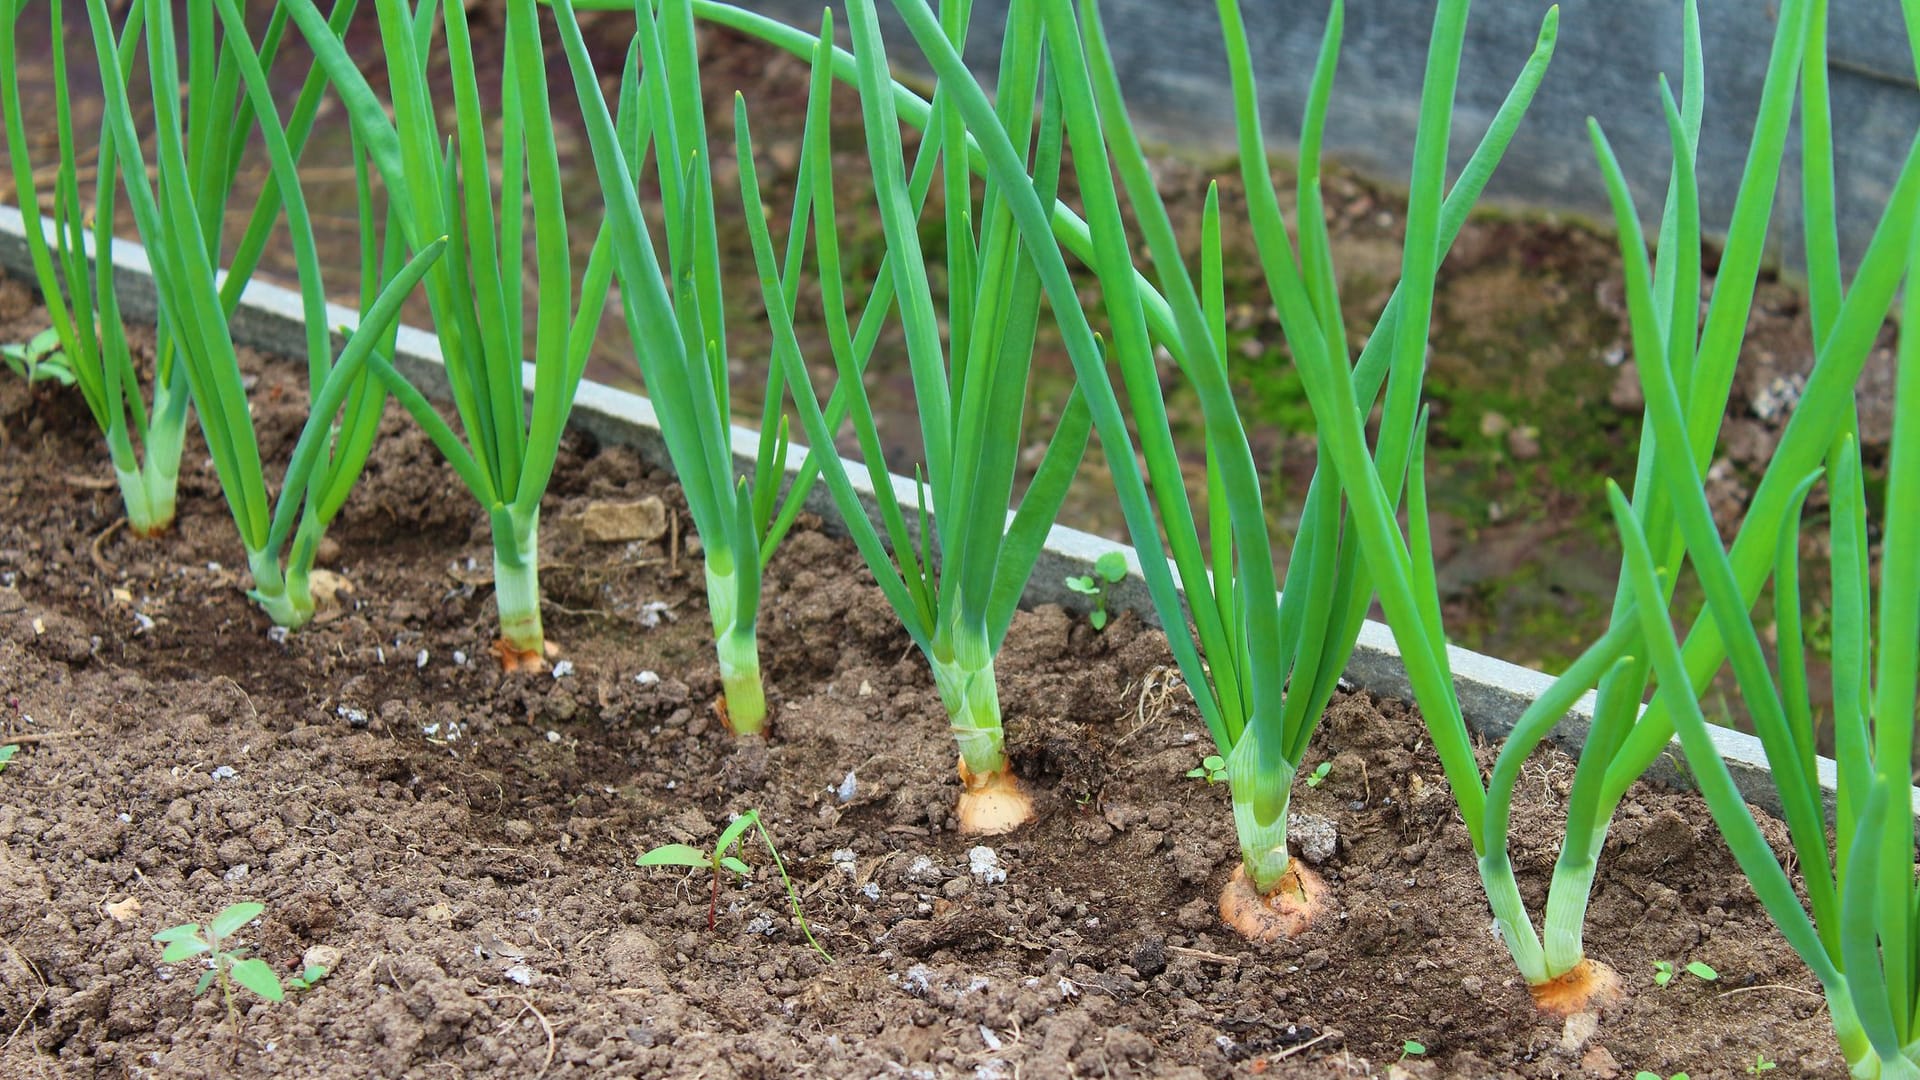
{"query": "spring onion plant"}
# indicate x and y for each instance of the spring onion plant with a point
(957, 587)
(1698, 359)
(179, 221)
(676, 315)
(1857, 930)
(694, 427)
(143, 440)
(441, 183)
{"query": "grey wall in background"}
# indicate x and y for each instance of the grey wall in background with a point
(1609, 58)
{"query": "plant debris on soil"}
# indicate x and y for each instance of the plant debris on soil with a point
(466, 840)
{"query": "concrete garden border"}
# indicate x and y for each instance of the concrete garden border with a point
(1493, 693)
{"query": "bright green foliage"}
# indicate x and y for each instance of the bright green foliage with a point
(441, 183)
(143, 441)
(224, 963)
(1262, 668)
(6, 754)
(1212, 769)
(722, 858)
(676, 317)
(180, 220)
(1664, 971)
(956, 584)
(1108, 570)
(1319, 775)
(39, 359)
(87, 333)
(1859, 937)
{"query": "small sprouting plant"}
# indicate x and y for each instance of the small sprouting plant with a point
(719, 859)
(1664, 971)
(6, 754)
(39, 359)
(308, 977)
(225, 964)
(1212, 769)
(1319, 774)
(1645, 1075)
(1761, 1063)
(1411, 1048)
(1108, 570)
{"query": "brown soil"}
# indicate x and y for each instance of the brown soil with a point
(466, 840)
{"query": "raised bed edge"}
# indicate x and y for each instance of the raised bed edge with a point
(1493, 693)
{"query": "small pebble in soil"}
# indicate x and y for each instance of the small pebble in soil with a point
(553, 736)
(354, 717)
(420, 659)
(225, 772)
(520, 973)
(984, 864)
(847, 788)
(922, 871)
(563, 669)
(459, 658)
(237, 872)
(1314, 837)
(647, 678)
(843, 860)
(871, 890)
(652, 612)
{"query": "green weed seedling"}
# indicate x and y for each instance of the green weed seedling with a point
(39, 359)
(1108, 570)
(1761, 1063)
(1212, 769)
(1664, 971)
(1319, 774)
(719, 860)
(6, 754)
(1410, 1048)
(225, 964)
(308, 977)
(1645, 1075)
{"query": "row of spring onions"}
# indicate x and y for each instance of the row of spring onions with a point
(180, 219)
(1857, 931)
(144, 441)
(1262, 668)
(1245, 696)
(1671, 344)
(439, 184)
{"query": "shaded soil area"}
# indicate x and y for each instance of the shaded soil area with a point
(466, 841)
